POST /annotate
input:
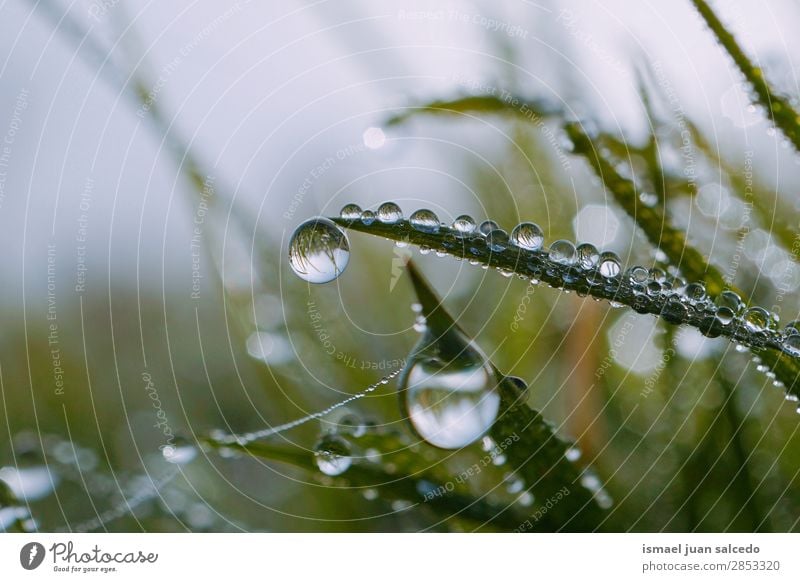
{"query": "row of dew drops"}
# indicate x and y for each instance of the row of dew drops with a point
(319, 252)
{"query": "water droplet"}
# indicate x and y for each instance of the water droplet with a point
(370, 494)
(573, 454)
(609, 265)
(350, 212)
(674, 311)
(487, 226)
(658, 275)
(695, 292)
(527, 235)
(318, 251)
(526, 499)
(731, 301)
(638, 275)
(588, 257)
(367, 217)
(448, 389)
(756, 319)
(515, 485)
(180, 452)
(649, 199)
(450, 404)
(791, 344)
(332, 455)
(389, 213)
(464, 225)
(424, 220)
(653, 288)
(724, 315)
(420, 323)
(497, 240)
(563, 252)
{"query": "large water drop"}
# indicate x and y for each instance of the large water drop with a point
(527, 235)
(318, 251)
(563, 252)
(389, 213)
(350, 212)
(464, 225)
(448, 387)
(424, 220)
(450, 403)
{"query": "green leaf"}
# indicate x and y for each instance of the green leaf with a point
(777, 107)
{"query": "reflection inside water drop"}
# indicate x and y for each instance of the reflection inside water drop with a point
(318, 251)
(450, 404)
(332, 455)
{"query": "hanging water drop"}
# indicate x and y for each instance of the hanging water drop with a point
(332, 455)
(350, 212)
(563, 252)
(318, 251)
(389, 213)
(450, 403)
(424, 220)
(528, 236)
(464, 225)
(448, 387)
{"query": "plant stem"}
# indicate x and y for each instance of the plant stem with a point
(777, 107)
